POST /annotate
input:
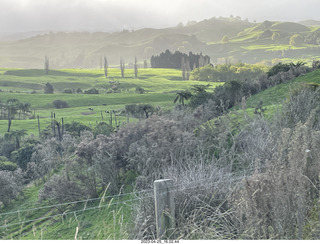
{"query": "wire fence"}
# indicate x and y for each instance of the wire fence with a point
(136, 196)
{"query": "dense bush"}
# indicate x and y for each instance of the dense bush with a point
(11, 185)
(48, 88)
(75, 128)
(69, 91)
(91, 91)
(227, 72)
(60, 104)
(231, 92)
(7, 165)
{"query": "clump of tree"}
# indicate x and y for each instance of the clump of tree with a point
(60, 104)
(7, 165)
(232, 91)
(225, 39)
(171, 60)
(140, 110)
(91, 91)
(226, 72)
(296, 40)
(312, 37)
(140, 90)
(11, 185)
(48, 88)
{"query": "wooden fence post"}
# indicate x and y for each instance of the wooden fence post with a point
(164, 208)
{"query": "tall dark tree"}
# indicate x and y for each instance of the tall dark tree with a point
(11, 108)
(183, 67)
(122, 67)
(105, 66)
(135, 67)
(46, 65)
(188, 69)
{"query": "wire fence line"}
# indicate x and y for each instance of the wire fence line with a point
(72, 212)
(118, 195)
(102, 206)
(74, 202)
(149, 193)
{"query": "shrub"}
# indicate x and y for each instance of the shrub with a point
(91, 91)
(11, 185)
(274, 202)
(140, 90)
(60, 189)
(296, 40)
(48, 88)
(7, 165)
(75, 128)
(22, 156)
(67, 91)
(103, 129)
(60, 104)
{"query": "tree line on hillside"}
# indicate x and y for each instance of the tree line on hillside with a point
(228, 72)
(237, 176)
(171, 60)
(234, 90)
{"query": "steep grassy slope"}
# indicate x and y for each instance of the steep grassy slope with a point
(278, 94)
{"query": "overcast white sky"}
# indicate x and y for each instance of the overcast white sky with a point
(109, 15)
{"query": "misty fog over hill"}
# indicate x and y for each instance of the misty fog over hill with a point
(86, 49)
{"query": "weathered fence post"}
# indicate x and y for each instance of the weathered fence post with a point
(164, 208)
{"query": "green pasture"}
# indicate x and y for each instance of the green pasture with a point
(115, 92)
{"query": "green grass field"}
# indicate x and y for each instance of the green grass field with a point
(115, 92)
(107, 217)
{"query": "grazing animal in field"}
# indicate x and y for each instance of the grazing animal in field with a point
(104, 104)
(91, 109)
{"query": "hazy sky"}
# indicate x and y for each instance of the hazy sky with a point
(109, 15)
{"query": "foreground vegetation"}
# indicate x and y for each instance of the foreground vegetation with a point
(241, 170)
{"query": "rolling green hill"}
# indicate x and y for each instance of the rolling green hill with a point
(86, 50)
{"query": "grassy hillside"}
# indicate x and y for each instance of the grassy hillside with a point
(278, 94)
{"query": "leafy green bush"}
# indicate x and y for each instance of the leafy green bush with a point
(60, 104)
(67, 91)
(75, 128)
(227, 72)
(91, 91)
(7, 165)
